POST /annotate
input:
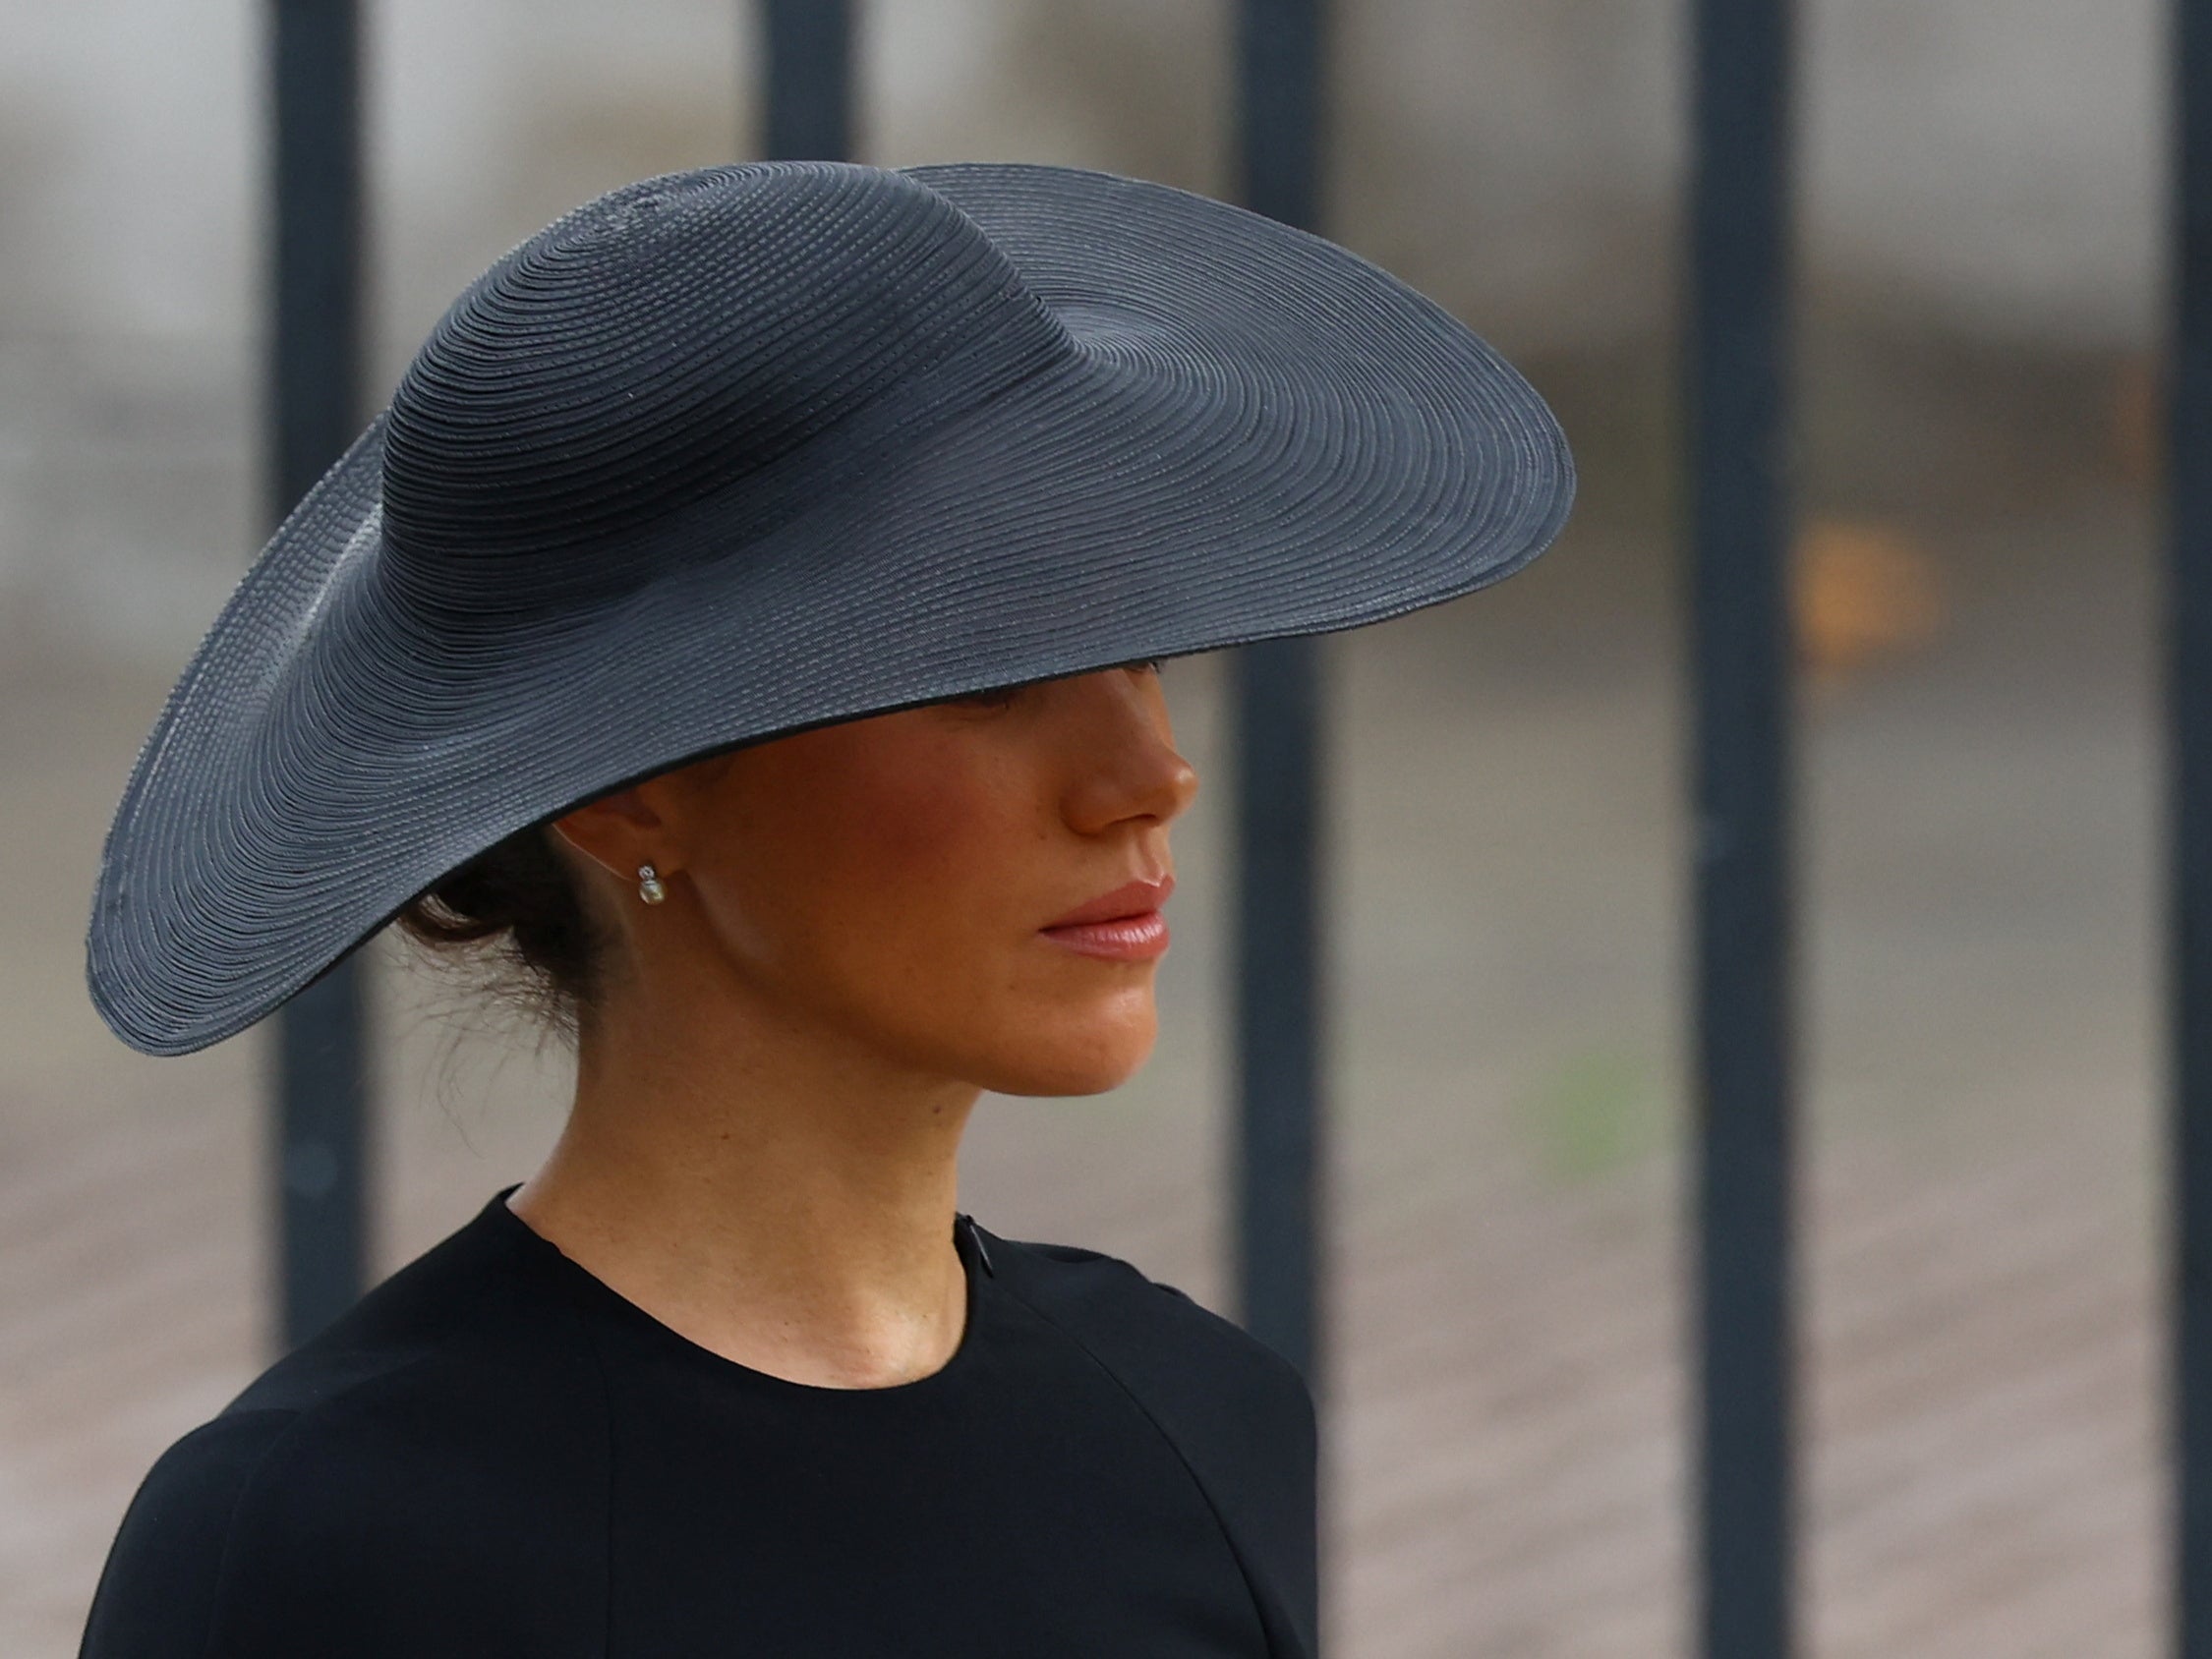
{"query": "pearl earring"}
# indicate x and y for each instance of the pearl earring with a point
(649, 886)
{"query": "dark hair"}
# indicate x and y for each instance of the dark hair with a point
(518, 902)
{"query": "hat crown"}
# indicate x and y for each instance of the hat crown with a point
(679, 334)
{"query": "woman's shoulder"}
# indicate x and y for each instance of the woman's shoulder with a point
(370, 1522)
(365, 1489)
(1239, 1414)
(1232, 1403)
(1105, 1302)
(1237, 1409)
(160, 1589)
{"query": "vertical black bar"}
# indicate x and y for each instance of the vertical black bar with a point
(1738, 411)
(1279, 108)
(809, 81)
(1278, 793)
(1278, 1196)
(314, 413)
(2189, 821)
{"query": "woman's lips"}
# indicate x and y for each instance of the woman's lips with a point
(1125, 925)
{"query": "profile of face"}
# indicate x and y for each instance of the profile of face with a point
(939, 889)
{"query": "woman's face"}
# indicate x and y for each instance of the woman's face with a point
(895, 879)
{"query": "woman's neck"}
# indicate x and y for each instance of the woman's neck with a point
(763, 1188)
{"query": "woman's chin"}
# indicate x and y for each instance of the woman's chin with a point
(1074, 1060)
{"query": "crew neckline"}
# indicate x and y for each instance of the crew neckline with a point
(597, 1293)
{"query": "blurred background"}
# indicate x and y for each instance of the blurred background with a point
(1975, 593)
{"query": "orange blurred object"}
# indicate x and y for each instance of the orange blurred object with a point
(1863, 591)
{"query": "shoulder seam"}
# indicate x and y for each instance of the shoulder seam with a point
(297, 1417)
(290, 1417)
(1220, 1521)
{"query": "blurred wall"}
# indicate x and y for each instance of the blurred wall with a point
(1985, 165)
(1992, 156)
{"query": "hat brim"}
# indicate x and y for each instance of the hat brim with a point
(1259, 435)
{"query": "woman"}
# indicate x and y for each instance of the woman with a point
(746, 617)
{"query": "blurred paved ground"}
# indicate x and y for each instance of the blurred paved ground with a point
(1504, 1459)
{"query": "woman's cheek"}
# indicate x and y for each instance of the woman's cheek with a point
(948, 822)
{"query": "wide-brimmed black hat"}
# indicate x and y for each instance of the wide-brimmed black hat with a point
(734, 452)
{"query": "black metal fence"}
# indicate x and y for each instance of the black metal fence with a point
(1735, 374)
(1739, 342)
(2189, 822)
(313, 410)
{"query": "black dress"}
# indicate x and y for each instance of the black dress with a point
(496, 1455)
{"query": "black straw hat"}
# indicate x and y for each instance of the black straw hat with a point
(734, 452)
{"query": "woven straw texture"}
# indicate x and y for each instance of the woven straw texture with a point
(731, 453)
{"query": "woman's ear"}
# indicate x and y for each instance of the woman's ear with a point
(617, 831)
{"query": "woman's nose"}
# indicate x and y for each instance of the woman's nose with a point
(1127, 764)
